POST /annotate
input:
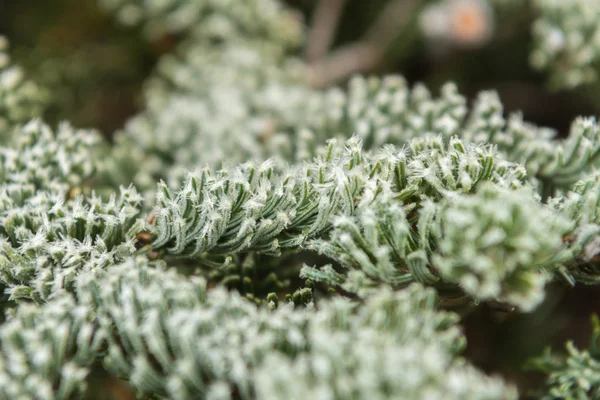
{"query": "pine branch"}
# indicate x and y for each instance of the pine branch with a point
(388, 222)
(482, 242)
(378, 110)
(174, 136)
(46, 351)
(488, 245)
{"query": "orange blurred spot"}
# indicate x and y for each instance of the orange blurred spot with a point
(470, 23)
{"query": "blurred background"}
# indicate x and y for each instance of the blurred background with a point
(95, 69)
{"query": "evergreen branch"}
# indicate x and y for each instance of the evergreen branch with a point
(380, 112)
(386, 111)
(553, 164)
(503, 259)
(45, 351)
(428, 190)
(580, 255)
(574, 375)
(488, 245)
(48, 231)
(255, 208)
(39, 159)
(171, 337)
(43, 250)
(482, 242)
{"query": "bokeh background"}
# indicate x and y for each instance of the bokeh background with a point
(95, 70)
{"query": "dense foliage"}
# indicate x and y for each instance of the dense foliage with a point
(248, 235)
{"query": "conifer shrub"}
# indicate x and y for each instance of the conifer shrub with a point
(249, 235)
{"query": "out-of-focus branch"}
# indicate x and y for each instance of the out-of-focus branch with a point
(350, 59)
(324, 27)
(394, 15)
(367, 53)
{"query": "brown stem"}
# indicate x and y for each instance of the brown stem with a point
(367, 53)
(323, 29)
(358, 57)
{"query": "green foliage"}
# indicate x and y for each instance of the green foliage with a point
(42, 160)
(567, 44)
(551, 164)
(20, 99)
(45, 351)
(256, 208)
(170, 336)
(487, 244)
(245, 172)
(389, 235)
(582, 245)
(225, 20)
(575, 375)
(49, 232)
